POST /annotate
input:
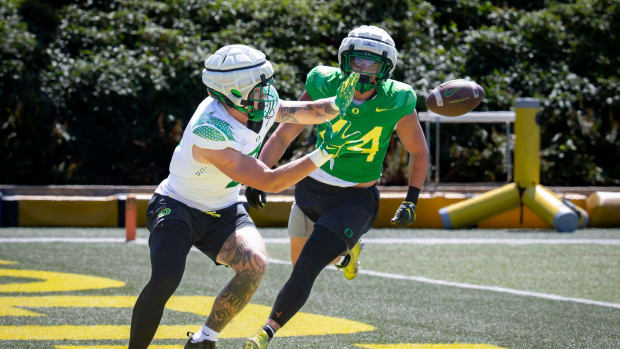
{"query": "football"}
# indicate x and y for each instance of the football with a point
(455, 97)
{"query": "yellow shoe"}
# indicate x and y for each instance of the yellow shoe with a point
(258, 341)
(353, 266)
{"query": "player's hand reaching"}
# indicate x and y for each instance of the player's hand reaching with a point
(344, 97)
(405, 214)
(339, 143)
(256, 197)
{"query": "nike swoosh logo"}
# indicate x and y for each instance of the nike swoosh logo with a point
(378, 110)
(450, 93)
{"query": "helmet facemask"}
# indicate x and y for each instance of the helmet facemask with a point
(369, 51)
(373, 69)
(260, 102)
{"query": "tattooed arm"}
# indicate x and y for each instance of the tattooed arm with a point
(307, 112)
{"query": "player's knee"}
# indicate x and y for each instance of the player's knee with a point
(166, 278)
(162, 286)
(260, 262)
(256, 262)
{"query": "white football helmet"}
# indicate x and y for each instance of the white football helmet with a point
(370, 51)
(242, 78)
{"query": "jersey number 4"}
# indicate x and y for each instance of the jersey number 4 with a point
(372, 137)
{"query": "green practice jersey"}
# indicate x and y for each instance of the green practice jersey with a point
(375, 119)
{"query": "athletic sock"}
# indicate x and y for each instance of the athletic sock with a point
(205, 333)
(269, 330)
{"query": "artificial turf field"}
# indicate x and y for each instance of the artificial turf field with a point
(422, 289)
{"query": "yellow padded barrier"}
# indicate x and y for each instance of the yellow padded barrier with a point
(142, 200)
(551, 209)
(74, 211)
(527, 143)
(468, 213)
(512, 219)
(85, 211)
(275, 213)
(426, 209)
(604, 209)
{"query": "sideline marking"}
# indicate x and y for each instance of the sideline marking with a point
(422, 279)
(429, 346)
(378, 241)
(426, 280)
(115, 347)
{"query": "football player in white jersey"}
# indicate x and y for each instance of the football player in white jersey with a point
(198, 204)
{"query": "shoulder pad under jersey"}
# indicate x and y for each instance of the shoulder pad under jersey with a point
(211, 132)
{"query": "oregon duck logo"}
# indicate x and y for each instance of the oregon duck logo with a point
(348, 233)
(164, 212)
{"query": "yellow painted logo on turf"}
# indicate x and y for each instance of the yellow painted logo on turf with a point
(252, 317)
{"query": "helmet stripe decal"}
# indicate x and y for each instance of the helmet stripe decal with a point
(235, 69)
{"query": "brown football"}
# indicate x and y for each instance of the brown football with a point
(455, 97)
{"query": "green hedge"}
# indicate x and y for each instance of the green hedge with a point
(98, 92)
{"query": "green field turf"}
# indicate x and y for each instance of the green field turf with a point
(422, 289)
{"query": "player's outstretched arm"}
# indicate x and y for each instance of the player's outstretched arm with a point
(282, 137)
(307, 113)
(252, 172)
(316, 112)
(410, 133)
(287, 131)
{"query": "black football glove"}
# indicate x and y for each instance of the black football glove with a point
(405, 214)
(256, 198)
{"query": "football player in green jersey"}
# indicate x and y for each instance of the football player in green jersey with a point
(338, 202)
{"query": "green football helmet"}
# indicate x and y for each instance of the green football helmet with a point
(369, 51)
(242, 78)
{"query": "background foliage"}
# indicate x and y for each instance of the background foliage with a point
(98, 92)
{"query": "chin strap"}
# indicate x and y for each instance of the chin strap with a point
(254, 126)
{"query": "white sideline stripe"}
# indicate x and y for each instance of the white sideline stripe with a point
(62, 239)
(371, 241)
(143, 241)
(474, 287)
(473, 241)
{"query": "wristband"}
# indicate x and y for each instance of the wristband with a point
(412, 194)
(319, 157)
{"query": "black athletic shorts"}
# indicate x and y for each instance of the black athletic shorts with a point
(347, 212)
(208, 231)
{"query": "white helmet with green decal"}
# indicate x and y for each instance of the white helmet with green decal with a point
(242, 78)
(369, 51)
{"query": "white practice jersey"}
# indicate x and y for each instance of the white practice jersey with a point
(203, 186)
